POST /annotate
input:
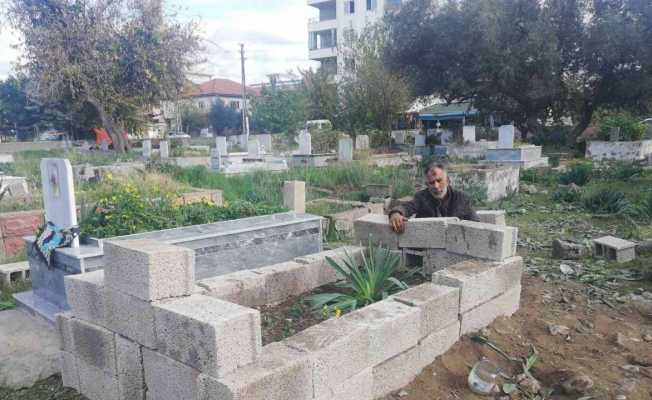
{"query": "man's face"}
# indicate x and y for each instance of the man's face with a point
(437, 181)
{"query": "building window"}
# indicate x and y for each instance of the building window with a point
(234, 105)
(201, 105)
(371, 5)
(349, 7)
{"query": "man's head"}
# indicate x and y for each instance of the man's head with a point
(437, 180)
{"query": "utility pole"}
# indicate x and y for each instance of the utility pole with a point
(245, 122)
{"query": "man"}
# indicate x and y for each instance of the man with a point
(438, 200)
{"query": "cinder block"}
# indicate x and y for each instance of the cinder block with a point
(358, 387)
(211, 335)
(494, 217)
(439, 305)
(64, 331)
(337, 349)
(504, 305)
(425, 233)
(131, 317)
(129, 367)
(438, 343)
(321, 272)
(396, 372)
(375, 227)
(167, 379)
(69, 373)
(438, 259)
(97, 384)
(393, 328)
(85, 295)
(614, 249)
(285, 280)
(480, 282)
(93, 344)
(279, 373)
(243, 287)
(149, 270)
(481, 240)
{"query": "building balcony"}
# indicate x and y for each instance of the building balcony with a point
(317, 25)
(318, 3)
(317, 54)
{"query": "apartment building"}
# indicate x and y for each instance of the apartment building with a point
(327, 30)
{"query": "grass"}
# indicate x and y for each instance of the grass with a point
(326, 208)
(47, 389)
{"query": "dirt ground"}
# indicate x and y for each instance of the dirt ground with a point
(591, 347)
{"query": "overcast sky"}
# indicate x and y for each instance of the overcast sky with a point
(274, 33)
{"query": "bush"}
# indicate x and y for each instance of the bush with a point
(605, 201)
(323, 140)
(630, 126)
(643, 208)
(579, 173)
(623, 170)
(567, 195)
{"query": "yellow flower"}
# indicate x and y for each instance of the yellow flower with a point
(338, 312)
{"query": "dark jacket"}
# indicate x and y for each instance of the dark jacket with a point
(425, 205)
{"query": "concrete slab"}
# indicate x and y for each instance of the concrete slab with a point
(86, 296)
(505, 304)
(375, 227)
(439, 305)
(477, 239)
(425, 233)
(167, 379)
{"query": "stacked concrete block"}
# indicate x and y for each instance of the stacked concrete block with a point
(396, 372)
(131, 317)
(614, 249)
(439, 306)
(505, 305)
(321, 272)
(168, 379)
(86, 295)
(358, 387)
(375, 228)
(425, 233)
(246, 288)
(477, 239)
(285, 280)
(438, 259)
(438, 343)
(494, 217)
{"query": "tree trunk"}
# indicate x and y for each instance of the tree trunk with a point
(584, 122)
(120, 144)
(534, 127)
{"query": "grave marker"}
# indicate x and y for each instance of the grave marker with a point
(147, 149)
(345, 149)
(420, 140)
(362, 142)
(220, 144)
(506, 137)
(294, 196)
(164, 149)
(253, 148)
(59, 193)
(305, 143)
(468, 134)
(216, 160)
(265, 141)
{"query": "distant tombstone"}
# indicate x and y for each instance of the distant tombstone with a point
(216, 159)
(294, 196)
(506, 137)
(446, 137)
(104, 146)
(220, 144)
(242, 140)
(399, 137)
(59, 193)
(147, 149)
(253, 148)
(305, 143)
(468, 134)
(265, 141)
(6, 158)
(345, 149)
(420, 140)
(362, 142)
(164, 149)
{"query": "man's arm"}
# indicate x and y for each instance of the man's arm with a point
(398, 215)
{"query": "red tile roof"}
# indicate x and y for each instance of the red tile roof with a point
(219, 87)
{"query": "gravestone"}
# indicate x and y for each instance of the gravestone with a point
(253, 148)
(399, 137)
(506, 137)
(305, 143)
(362, 142)
(147, 149)
(345, 149)
(265, 141)
(220, 145)
(6, 158)
(216, 160)
(164, 149)
(294, 196)
(59, 193)
(468, 134)
(104, 146)
(420, 140)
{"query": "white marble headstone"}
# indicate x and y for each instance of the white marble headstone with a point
(420, 140)
(216, 159)
(59, 193)
(362, 142)
(220, 144)
(253, 148)
(147, 149)
(399, 137)
(305, 143)
(345, 149)
(506, 137)
(468, 134)
(265, 141)
(164, 149)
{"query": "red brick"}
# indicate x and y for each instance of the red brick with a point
(20, 224)
(13, 246)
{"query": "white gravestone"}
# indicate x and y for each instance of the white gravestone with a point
(362, 142)
(253, 148)
(220, 144)
(420, 140)
(468, 134)
(147, 149)
(305, 143)
(345, 149)
(265, 141)
(164, 149)
(216, 159)
(506, 137)
(59, 193)
(399, 137)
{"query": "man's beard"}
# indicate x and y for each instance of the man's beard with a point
(439, 195)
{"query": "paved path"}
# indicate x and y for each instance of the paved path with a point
(29, 349)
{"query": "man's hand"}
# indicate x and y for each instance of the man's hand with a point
(397, 222)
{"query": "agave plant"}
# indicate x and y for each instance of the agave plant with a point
(364, 284)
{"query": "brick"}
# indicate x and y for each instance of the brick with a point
(13, 246)
(279, 373)
(397, 372)
(375, 227)
(64, 331)
(131, 317)
(211, 335)
(439, 305)
(504, 305)
(167, 379)
(358, 387)
(320, 271)
(425, 233)
(393, 328)
(480, 282)
(129, 368)
(21, 224)
(495, 217)
(438, 343)
(481, 240)
(96, 383)
(337, 349)
(285, 280)
(69, 373)
(149, 270)
(243, 287)
(86, 297)
(93, 344)
(438, 259)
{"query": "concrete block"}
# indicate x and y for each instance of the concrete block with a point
(480, 282)
(438, 259)
(425, 233)
(96, 383)
(85, 294)
(285, 280)
(614, 249)
(93, 344)
(505, 304)
(320, 271)
(69, 373)
(396, 372)
(494, 217)
(439, 305)
(438, 343)
(129, 368)
(393, 328)
(131, 317)
(279, 373)
(375, 227)
(211, 335)
(337, 349)
(64, 331)
(294, 196)
(243, 287)
(167, 379)
(149, 270)
(358, 387)
(481, 240)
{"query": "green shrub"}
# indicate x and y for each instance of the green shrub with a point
(623, 170)
(323, 140)
(567, 195)
(579, 173)
(630, 126)
(605, 201)
(7, 168)
(643, 208)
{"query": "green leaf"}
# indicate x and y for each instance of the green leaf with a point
(509, 388)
